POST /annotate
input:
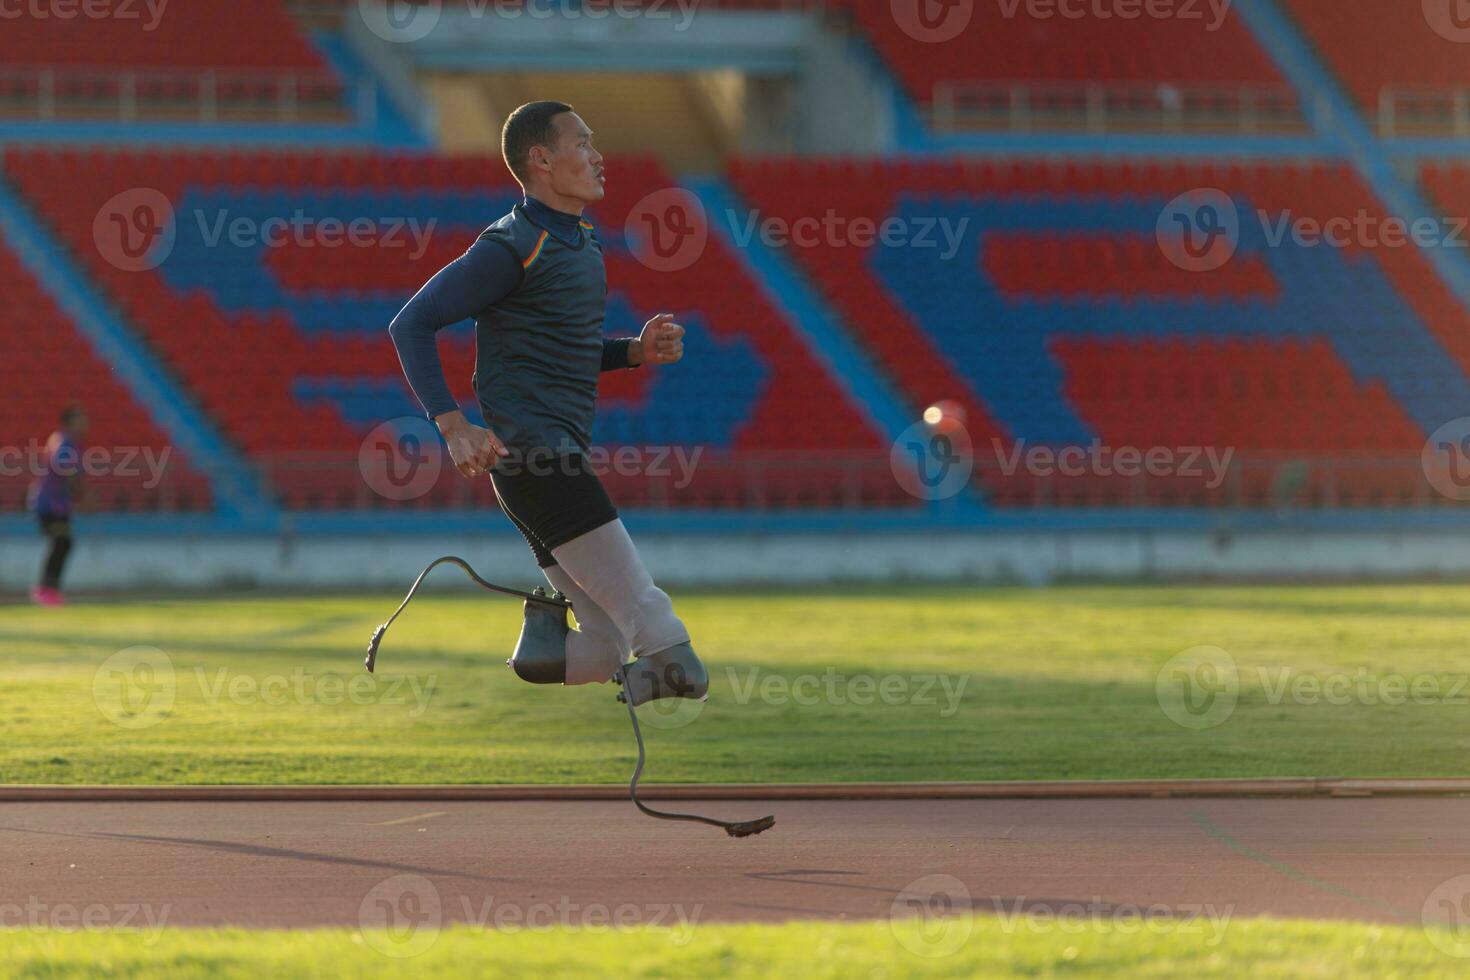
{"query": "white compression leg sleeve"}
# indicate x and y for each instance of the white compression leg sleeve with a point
(596, 649)
(607, 567)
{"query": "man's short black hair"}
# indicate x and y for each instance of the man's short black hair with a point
(70, 414)
(528, 126)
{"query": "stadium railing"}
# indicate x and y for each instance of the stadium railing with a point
(175, 491)
(792, 482)
(1420, 110)
(650, 477)
(1254, 481)
(48, 94)
(775, 481)
(1095, 107)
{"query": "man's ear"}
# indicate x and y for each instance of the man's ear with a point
(539, 158)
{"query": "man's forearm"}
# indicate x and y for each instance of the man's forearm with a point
(418, 354)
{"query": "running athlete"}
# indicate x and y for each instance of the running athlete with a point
(535, 284)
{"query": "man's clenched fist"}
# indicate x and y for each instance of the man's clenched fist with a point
(474, 449)
(661, 342)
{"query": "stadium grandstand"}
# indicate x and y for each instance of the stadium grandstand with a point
(875, 217)
(1022, 527)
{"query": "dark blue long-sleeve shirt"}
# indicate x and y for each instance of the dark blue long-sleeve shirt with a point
(480, 278)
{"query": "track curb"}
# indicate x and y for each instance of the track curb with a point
(1307, 787)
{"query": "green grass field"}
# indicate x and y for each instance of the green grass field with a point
(982, 947)
(872, 684)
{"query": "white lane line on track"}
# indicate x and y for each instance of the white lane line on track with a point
(421, 816)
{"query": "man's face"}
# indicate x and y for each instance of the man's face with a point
(576, 166)
(76, 426)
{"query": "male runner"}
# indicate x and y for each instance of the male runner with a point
(50, 498)
(535, 284)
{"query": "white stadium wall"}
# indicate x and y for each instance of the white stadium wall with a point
(1034, 558)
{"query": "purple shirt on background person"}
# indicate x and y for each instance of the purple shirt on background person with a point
(51, 492)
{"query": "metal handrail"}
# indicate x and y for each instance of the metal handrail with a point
(127, 93)
(1454, 99)
(1100, 105)
(781, 480)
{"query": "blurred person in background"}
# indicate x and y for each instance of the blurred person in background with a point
(52, 496)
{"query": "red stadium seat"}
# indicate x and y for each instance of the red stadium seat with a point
(1376, 44)
(45, 365)
(1277, 399)
(217, 35)
(997, 46)
(217, 352)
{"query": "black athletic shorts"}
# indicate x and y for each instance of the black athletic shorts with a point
(54, 525)
(552, 500)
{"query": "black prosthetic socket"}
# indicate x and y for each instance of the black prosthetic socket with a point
(541, 653)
